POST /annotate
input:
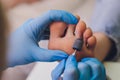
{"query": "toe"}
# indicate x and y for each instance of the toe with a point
(91, 42)
(57, 29)
(80, 28)
(87, 34)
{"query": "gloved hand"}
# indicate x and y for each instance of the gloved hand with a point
(87, 69)
(23, 43)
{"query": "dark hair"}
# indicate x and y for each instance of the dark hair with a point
(3, 27)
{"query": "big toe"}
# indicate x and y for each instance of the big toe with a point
(80, 28)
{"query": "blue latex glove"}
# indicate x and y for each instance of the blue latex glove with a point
(87, 69)
(23, 43)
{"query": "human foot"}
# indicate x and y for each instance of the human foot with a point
(62, 37)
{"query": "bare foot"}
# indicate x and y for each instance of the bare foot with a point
(62, 37)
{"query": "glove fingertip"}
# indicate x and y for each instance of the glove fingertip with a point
(56, 73)
(71, 61)
(71, 58)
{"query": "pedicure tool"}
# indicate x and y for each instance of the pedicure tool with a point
(77, 46)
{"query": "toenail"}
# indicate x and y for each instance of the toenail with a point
(78, 34)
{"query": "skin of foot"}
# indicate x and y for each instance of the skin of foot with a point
(103, 45)
(62, 37)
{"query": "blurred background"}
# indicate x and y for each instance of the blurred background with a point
(21, 13)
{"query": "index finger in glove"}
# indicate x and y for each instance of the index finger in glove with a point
(71, 71)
